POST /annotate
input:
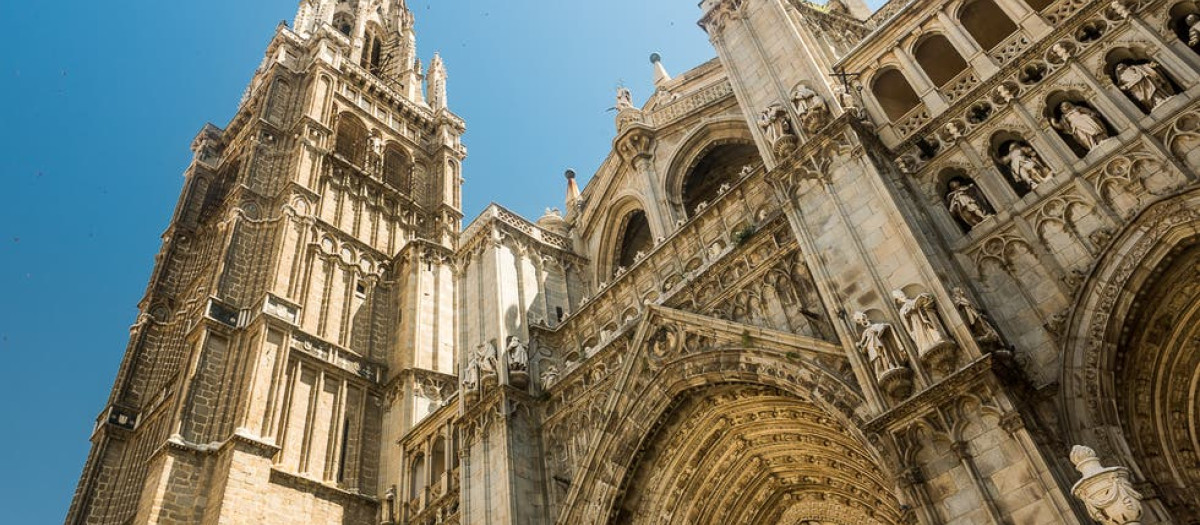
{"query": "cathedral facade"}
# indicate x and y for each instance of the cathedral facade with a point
(933, 264)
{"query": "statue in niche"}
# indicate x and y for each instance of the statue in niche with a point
(879, 344)
(1081, 123)
(924, 325)
(810, 107)
(776, 125)
(1193, 24)
(1026, 166)
(1145, 83)
(981, 328)
(517, 353)
(963, 204)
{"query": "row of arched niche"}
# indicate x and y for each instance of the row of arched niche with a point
(990, 26)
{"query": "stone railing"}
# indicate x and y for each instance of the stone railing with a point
(1010, 48)
(960, 85)
(690, 103)
(912, 121)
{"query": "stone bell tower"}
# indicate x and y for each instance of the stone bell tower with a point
(300, 314)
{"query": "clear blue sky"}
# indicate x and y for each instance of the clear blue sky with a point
(102, 99)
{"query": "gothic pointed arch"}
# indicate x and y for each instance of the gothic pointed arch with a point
(627, 234)
(709, 425)
(708, 157)
(352, 139)
(1131, 360)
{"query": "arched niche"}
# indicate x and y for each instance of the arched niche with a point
(894, 93)
(352, 138)
(1058, 104)
(1020, 163)
(397, 169)
(1139, 78)
(720, 165)
(939, 59)
(416, 477)
(1185, 23)
(963, 199)
(437, 458)
(986, 23)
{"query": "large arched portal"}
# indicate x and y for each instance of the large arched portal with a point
(1131, 380)
(710, 424)
(754, 455)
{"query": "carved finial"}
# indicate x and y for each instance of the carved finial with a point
(660, 72)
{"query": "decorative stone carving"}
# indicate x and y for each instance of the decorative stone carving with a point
(1082, 124)
(981, 328)
(517, 360)
(624, 99)
(777, 127)
(878, 342)
(811, 108)
(963, 204)
(925, 327)
(1105, 491)
(1145, 83)
(1025, 165)
(549, 376)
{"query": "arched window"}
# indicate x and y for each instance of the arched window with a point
(719, 166)
(351, 140)
(635, 238)
(1039, 5)
(417, 478)
(938, 58)
(344, 23)
(397, 170)
(438, 459)
(987, 23)
(372, 52)
(894, 93)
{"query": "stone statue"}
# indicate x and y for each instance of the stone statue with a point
(1145, 83)
(549, 376)
(985, 334)
(486, 358)
(963, 204)
(624, 98)
(878, 343)
(875, 343)
(810, 107)
(1193, 24)
(518, 354)
(471, 375)
(1082, 123)
(775, 124)
(1026, 166)
(921, 321)
(1107, 493)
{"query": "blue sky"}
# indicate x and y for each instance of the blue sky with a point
(102, 100)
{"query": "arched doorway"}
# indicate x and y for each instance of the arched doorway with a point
(1131, 379)
(710, 425)
(756, 455)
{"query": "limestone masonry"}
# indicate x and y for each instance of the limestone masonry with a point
(936, 264)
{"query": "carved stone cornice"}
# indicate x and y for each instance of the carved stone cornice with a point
(718, 13)
(636, 142)
(963, 381)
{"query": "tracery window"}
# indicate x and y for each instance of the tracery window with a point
(397, 170)
(351, 141)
